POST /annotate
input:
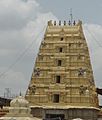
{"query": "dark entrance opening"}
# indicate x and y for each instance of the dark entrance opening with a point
(56, 98)
(55, 117)
(58, 79)
(59, 62)
(60, 49)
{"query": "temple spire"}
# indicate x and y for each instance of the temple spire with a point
(62, 83)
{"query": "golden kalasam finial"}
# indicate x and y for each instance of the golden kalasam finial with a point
(64, 22)
(50, 23)
(54, 22)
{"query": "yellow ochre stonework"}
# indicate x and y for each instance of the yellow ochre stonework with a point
(62, 75)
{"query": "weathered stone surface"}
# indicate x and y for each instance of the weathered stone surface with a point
(63, 75)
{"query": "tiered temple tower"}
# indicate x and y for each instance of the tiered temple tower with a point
(62, 82)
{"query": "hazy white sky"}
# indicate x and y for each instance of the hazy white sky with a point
(22, 21)
(87, 10)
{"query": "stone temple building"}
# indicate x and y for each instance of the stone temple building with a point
(62, 84)
(19, 110)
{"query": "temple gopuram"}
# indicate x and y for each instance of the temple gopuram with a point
(62, 83)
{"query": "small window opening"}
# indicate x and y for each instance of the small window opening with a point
(60, 49)
(61, 38)
(58, 79)
(56, 98)
(69, 44)
(59, 62)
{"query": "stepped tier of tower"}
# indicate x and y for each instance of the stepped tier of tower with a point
(62, 74)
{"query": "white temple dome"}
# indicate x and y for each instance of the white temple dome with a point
(19, 102)
(19, 110)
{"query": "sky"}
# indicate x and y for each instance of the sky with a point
(22, 25)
